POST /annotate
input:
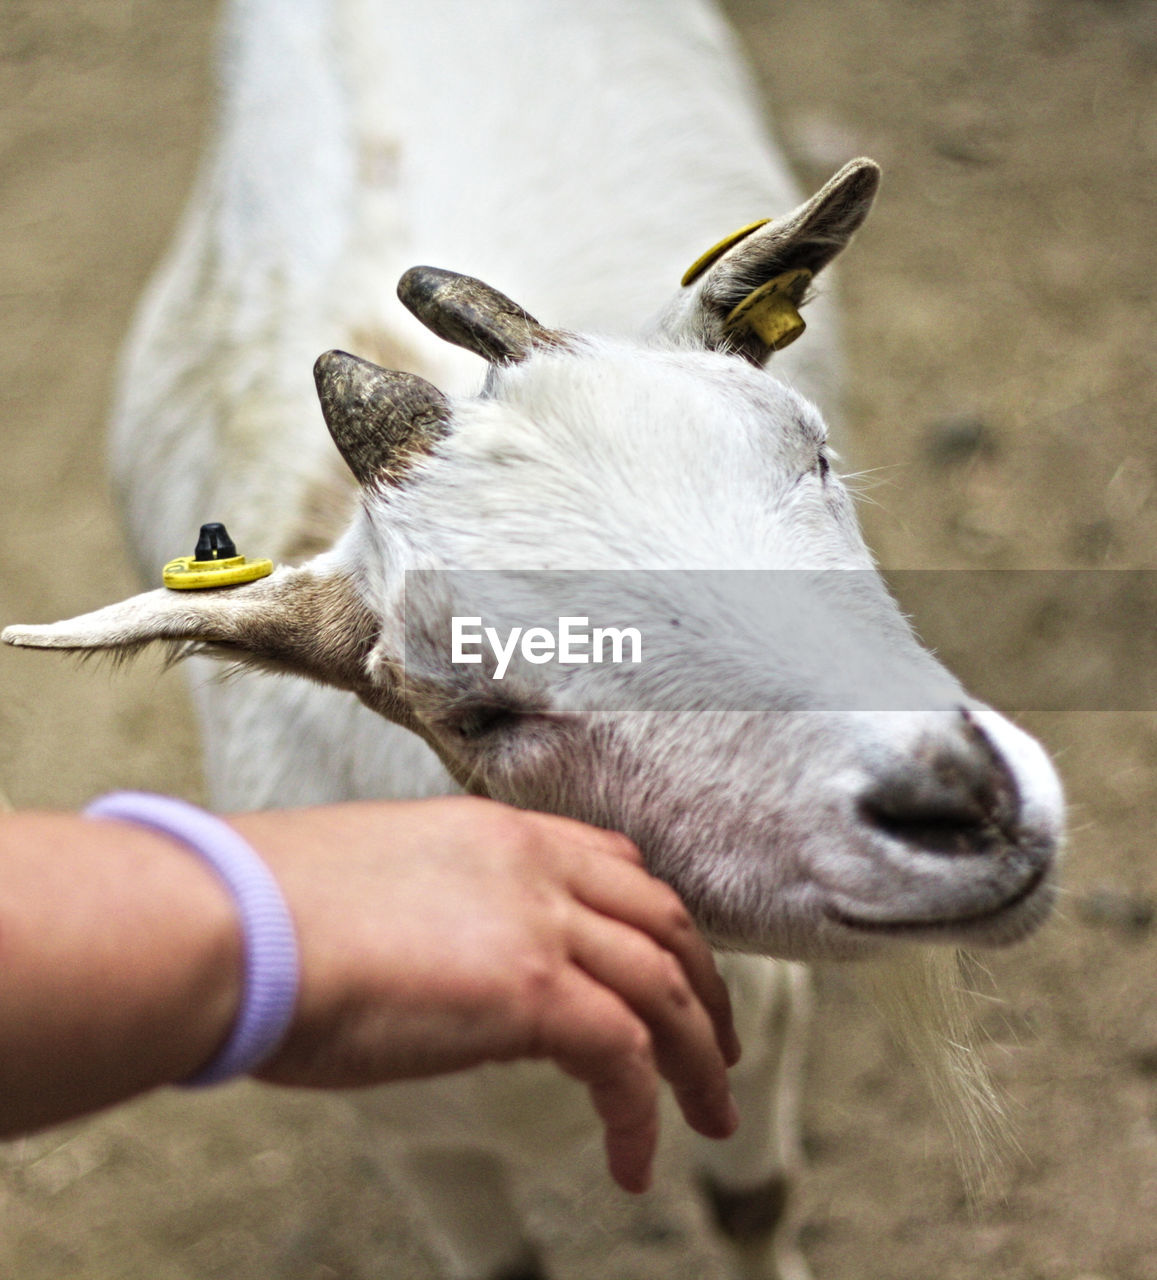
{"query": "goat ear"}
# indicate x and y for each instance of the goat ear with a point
(743, 295)
(303, 621)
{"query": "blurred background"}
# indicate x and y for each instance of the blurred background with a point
(1001, 393)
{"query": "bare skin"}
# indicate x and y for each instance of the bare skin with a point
(435, 935)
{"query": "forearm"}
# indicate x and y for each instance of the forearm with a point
(432, 935)
(120, 965)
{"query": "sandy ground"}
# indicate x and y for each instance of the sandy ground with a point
(1000, 326)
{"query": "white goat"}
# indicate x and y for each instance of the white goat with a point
(579, 154)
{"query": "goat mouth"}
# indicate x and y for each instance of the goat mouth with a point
(968, 922)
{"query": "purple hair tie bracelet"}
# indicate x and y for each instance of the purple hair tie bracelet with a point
(270, 945)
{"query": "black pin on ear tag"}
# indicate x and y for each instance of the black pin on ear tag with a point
(214, 563)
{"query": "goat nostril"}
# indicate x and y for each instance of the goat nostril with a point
(949, 825)
(954, 798)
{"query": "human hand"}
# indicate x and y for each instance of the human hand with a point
(437, 935)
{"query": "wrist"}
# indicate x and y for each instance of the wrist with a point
(269, 966)
(189, 918)
(122, 966)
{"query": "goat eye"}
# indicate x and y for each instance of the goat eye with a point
(484, 719)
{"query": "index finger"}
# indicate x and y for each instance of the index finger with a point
(585, 839)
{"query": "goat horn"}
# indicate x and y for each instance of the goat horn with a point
(471, 314)
(379, 419)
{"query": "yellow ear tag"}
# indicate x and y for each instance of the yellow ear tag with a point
(701, 264)
(214, 563)
(772, 311)
(187, 574)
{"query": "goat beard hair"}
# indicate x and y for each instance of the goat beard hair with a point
(928, 1002)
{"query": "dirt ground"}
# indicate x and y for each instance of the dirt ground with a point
(1000, 309)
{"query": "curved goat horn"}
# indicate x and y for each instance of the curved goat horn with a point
(379, 419)
(471, 314)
